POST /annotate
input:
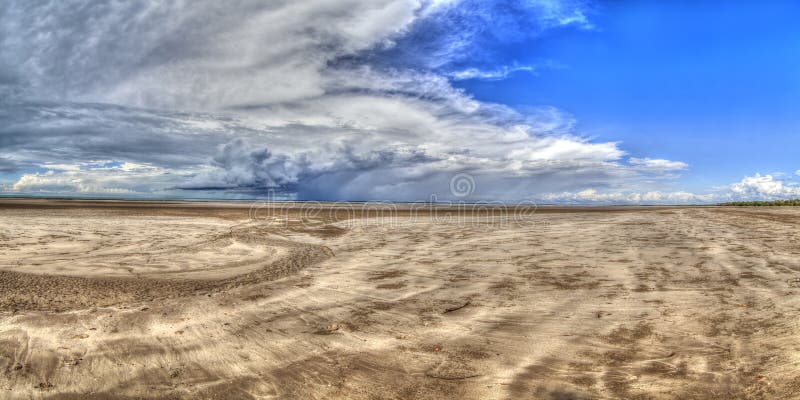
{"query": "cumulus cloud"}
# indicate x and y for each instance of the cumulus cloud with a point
(315, 99)
(240, 165)
(764, 187)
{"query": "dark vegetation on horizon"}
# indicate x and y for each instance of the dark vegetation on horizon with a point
(795, 203)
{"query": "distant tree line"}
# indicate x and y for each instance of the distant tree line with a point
(793, 203)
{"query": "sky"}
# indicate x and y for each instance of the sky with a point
(555, 102)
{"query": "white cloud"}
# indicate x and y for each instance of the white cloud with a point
(561, 13)
(764, 187)
(202, 55)
(659, 165)
(123, 179)
(493, 74)
(756, 187)
(590, 196)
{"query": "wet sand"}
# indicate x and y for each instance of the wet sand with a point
(170, 300)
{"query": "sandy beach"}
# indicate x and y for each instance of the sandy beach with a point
(172, 300)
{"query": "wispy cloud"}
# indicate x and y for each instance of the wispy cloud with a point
(493, 74)
(657, 164)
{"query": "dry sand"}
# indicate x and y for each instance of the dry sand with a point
(105, 300)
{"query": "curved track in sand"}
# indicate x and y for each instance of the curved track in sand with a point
(58, 288)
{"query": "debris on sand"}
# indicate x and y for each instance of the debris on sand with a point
(175, 372)
(456, 308)
(73, 362)
(449, 377)
(327, 330)
(452, 370)
(794, 282)
(601, 314)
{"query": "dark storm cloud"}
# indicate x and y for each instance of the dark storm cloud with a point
(7, 165)
(66, 132)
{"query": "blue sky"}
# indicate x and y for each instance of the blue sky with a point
(552, 101)
(714, 86)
